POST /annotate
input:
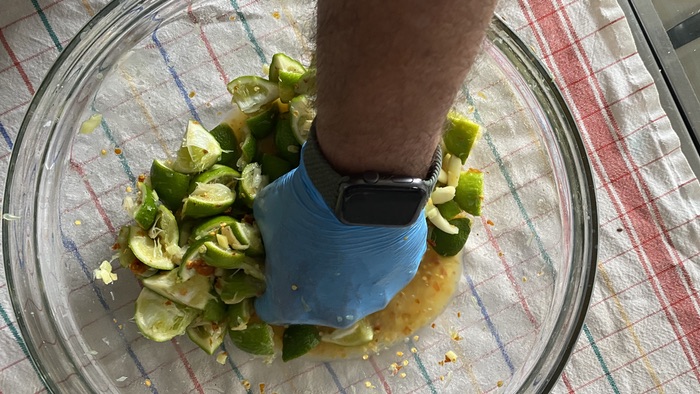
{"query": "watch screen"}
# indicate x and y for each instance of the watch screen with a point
(369, 205)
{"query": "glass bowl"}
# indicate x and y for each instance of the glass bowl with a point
(148, 67)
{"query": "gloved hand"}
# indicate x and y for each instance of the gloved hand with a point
(321, 271)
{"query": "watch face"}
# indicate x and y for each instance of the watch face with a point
(380, 206)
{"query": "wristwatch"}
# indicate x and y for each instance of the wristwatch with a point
(369, 199)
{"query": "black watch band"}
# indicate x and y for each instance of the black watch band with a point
(369, 199)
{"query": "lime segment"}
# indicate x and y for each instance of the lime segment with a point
(207, 335)
(249, 234)
(449, 245)
(207, 200)
(159, 319)
(449, 209)
(470, 191)
(287, 145)
(302, 114)
(252, 93)
(460, 135)
(298, 340)
(149, 251)
(263, 123)
(230, 148)
(194, 292)
(257, 338)
(252, 181)
(217, 174)
(282, 62)
(237, 286)
(170, 185)
(215, 310)
(238, 315)
(218, 257)
(145, 212)
(199, 150)
(358, 334)
(307, 83)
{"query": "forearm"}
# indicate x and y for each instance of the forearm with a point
(388, 72)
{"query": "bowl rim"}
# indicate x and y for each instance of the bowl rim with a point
(573, 329)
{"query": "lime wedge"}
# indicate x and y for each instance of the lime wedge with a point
(199, 150)
(231, 150)
(470, 191)
(287, 145)
(252, 181)
(358, 334)
(170, 185)
(287, 82)
(449, 209)
(237, 286)
(249, 234)
(208, 200)
(302, 115)
(282, 62)
(249, 149)
(460, 135)
(191, 263)
(238, 315)
(251, 93)
(215, 310)
(160, 319)
(446, 244)
(212, 226)
(146, 210)
(194, 292)
(262, 124)
(223, 258)
(257, 338)
(207, 335)
(165, 229)
(149, 251)
(217, 174)
(274, 167)
(298, 340)
(307, 83)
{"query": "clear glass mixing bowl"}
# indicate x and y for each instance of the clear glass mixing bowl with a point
(148, 67)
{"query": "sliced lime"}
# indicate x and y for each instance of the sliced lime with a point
(186, 227)
(447, 244)
(191, 262)
(358, 334)
(148, 251)
(194, 292)
(251, 183)
(215, 310)
(238, 315)
(218, 173)
(146, 210)
(249, 149)
(237, 286)
(302, 115)
(165, 229)
(449, 209)
(207, 335)
(460, 135)
(249, 234)
(274, 167)
(212, 226)
(262, 124)
(282, 62)
(199, 150)
(208, 200)
(287, 145)
(307, 83)
(218, 257)
(126, 257)
(470, 191)
(298, 340)
(170, 185)
(159, 319)
(287, 81)
(252, 93)
(257, 338)
(225, 136)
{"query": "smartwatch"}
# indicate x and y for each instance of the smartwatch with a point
(371, 198)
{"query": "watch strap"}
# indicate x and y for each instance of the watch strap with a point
(322, 175)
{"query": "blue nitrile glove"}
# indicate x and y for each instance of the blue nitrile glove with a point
(321, 271)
